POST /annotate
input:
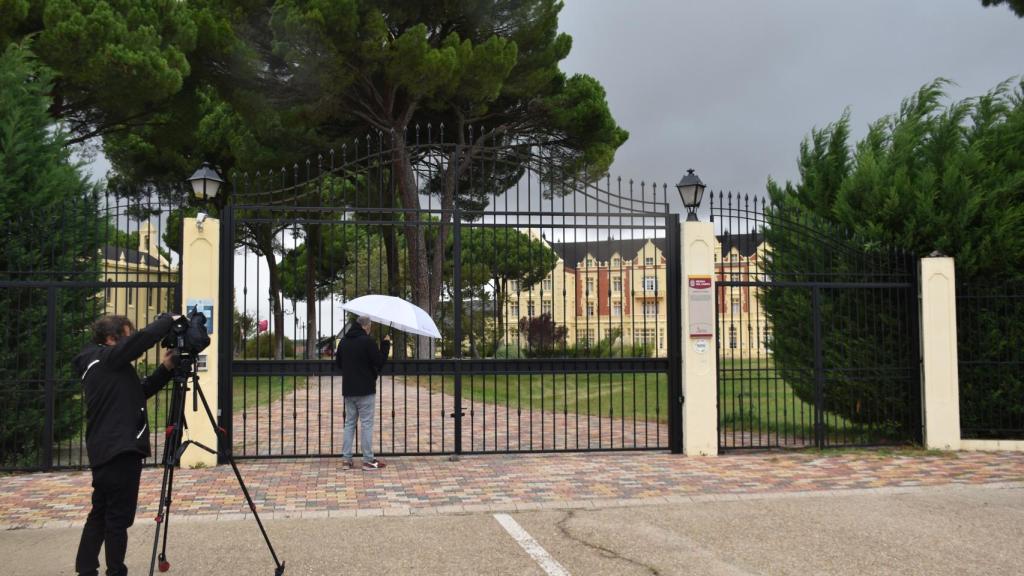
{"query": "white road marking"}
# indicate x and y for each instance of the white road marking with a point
(535, 550)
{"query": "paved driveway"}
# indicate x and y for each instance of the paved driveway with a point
(953, 530)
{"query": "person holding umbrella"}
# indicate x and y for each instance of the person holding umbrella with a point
(360, 361)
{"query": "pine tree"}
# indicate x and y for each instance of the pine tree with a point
(931, 177)
(50, 234)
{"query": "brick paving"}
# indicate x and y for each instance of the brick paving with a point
(433, 484)
(415, 418)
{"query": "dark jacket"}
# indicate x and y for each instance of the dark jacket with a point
(115, 398)
(360, 361)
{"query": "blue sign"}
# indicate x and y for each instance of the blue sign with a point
(204, 306)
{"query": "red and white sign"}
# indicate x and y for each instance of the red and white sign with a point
(702, 307)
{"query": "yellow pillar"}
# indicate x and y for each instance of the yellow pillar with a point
(199, 282)
(940, 379)
(700, 360)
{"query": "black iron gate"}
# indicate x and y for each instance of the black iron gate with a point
(63, 267)
(817, 335)
(556, 295)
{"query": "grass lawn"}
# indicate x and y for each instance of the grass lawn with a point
(640, 396)
(751, 396)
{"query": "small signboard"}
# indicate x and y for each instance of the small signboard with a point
(204, 306)
(702, 307)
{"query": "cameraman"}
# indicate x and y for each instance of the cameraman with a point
(116, 433)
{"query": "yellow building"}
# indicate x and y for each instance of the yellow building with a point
(743, 327)
(619, 288)
(140, 304)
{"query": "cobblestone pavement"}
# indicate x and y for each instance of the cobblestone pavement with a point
(415, 416)
(430, 484)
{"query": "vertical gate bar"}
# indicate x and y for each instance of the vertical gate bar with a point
(819, 376)
(226, 328)
(46, 457)
(457, 321)
(911, 295)
(675, 382)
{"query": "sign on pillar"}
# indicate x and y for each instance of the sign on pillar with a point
(199, 285)
(700, 374)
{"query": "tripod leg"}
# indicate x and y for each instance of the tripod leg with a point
(279, 570)
(164, 484)
(171, 441)
(163, 565)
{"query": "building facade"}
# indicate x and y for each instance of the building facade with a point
(145, 264)
(615, 293)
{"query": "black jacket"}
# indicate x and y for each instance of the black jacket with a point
(360, 361)
(115, 398)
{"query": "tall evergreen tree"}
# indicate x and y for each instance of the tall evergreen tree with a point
(931, 177)
(40, 190)
(486, 71)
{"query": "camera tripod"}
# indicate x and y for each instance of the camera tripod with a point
(174, 448)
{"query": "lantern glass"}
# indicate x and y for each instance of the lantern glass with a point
(205, 182)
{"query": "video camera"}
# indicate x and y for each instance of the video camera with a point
(188, 334)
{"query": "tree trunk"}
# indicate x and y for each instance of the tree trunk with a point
(264, 238)
(415, 237)
(275, 296)
(313, 243)
(391, 254)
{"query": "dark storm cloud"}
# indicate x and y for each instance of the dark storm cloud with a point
(731, 87)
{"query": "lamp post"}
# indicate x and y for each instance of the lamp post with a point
(691, 191)
(205, 182)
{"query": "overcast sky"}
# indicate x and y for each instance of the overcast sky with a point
(730, 87)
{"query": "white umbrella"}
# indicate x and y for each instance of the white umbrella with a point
(394, 312)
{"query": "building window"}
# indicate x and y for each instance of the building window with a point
(530, 308)
(616, 262)
(767, 337)
(650, 308)
(650, 283)
(590, 285)
(735, 306)
(515, 310)
(590, 262)
(617, 309)
(547, 285)
(513, 286)
(661, 338)
(545, 307)
(131, 296)
(643, 336)
(106, 292)
(152, 298)
(750, 336)
(649, 261)
(617, 284)
(590, 308)
(732, 336)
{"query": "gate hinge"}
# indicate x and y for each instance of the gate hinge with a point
(682, 399)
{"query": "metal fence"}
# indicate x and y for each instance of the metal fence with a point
(817, 336)
(990, 340)
(63, 266)
(556, 296)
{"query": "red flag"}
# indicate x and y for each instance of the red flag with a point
(264, 325)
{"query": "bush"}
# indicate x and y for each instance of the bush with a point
(262, 347)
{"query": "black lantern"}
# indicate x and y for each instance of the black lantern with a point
(691, 191)
(205, 182)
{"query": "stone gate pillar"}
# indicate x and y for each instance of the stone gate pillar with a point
(700, 370)
(199, 284)
(940, 380)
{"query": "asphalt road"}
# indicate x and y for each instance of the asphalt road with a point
(933, 531)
